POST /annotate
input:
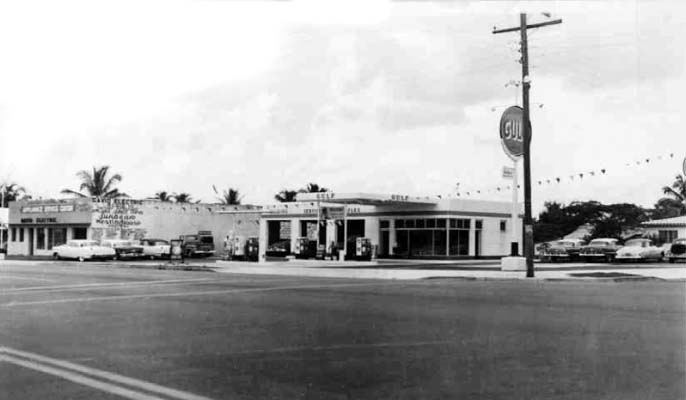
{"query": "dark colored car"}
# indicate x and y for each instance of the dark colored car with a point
(601, 249)
(124, 249)
(198, 245)
(677, 251)
(563, 250)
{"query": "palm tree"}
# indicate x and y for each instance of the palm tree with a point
(286, 196)
(97, 184)
(182, 197)
(11, 192)
(163, 196)
(677, 190)
(229, 196)
(313, 188)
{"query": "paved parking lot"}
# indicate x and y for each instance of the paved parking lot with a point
(85, 331)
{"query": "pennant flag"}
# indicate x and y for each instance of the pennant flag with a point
(592, 173)
(478, 191)
(517, 186)
(498, 188)
(581, 176)
(548, 180)
(571, 177)
(647, 160)
(558, 180)
(671, 155)
(602, 170)
(539, 183)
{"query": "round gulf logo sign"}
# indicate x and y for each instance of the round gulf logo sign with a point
(512, 131)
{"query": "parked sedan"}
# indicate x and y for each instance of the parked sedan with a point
(639, 250)
(677, 250)
(124, 249)
(563, 250)
(83, 250)
(155, 248)
(601, 249)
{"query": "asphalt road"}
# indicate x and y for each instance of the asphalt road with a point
(91, 332)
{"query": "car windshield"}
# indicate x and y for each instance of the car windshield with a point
(161, 242)
(600, 243)
(206, 239)
(566, 243)
(89, 243)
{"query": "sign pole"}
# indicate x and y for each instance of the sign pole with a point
(514, 245)
(526, 84)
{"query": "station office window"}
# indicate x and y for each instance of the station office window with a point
(21, 234)
(503, 225)
(14, 234)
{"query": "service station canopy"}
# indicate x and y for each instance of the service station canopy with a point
(363, 198)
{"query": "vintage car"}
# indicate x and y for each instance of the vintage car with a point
(124, 249)
(600, 249)
(155, 248)
(641, 249)
(563, 250)
(677, 251)
(279, 249)
(83, 250)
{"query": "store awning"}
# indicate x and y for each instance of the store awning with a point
(363, 198)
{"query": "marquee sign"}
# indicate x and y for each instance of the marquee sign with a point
(512, 131)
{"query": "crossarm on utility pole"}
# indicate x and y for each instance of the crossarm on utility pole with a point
(532, 26)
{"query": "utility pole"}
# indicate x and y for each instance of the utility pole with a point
(526, 84)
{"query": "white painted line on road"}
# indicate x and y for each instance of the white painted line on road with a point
(25, 278)
(188, 294)
(69, 370)
(89, 286)
(344, 346)
(80, 379)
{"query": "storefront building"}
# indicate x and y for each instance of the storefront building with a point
(397, 225)
(37, 226)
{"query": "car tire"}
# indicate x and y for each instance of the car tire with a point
(56, 257)
(671, 260)
(609, 258)
(152, 257)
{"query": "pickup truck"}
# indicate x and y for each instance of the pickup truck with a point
(198, 245)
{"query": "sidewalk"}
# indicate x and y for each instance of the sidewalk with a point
(372, 270)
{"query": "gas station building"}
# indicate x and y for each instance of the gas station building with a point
(397, 225)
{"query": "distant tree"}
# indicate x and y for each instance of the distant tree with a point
(97, 184)
(182, 197)
(229, 196)
(313, 188)
(558, 220)
(164, 196)
(678, 189)
(286, 196)
(618, 218)
(668, 207)
(11, 192)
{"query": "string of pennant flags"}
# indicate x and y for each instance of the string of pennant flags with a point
(577, 176)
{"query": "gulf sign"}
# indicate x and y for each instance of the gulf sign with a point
(512, 131)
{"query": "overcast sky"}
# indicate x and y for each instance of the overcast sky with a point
(358, 96)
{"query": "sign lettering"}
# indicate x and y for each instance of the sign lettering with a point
(512, 131)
